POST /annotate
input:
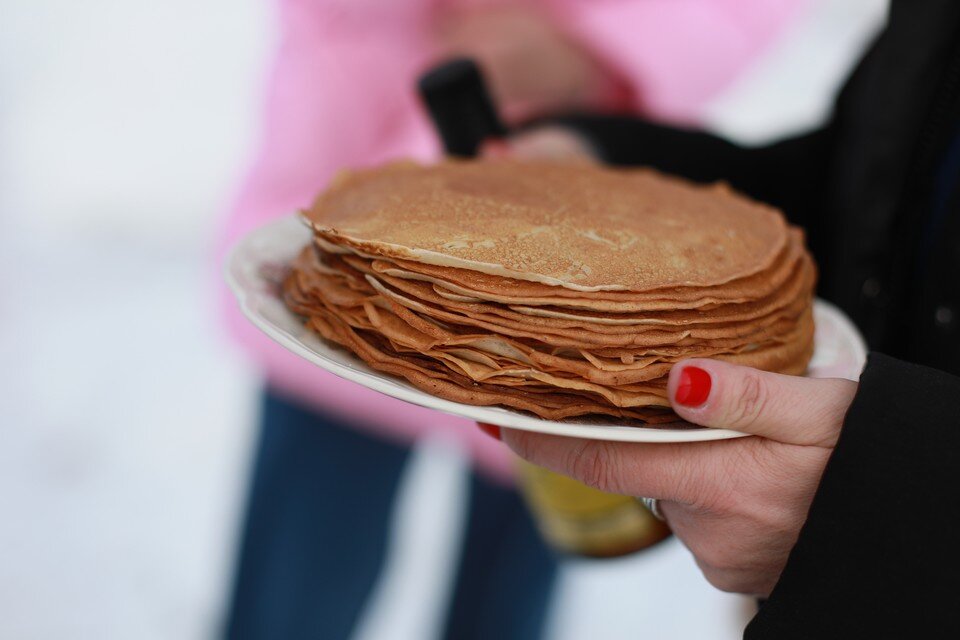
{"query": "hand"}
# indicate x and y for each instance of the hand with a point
(738, 505)
(548, 142)
(533, 68)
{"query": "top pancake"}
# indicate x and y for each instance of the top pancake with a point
(580, 227)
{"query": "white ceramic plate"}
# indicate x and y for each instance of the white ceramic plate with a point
(256, 264)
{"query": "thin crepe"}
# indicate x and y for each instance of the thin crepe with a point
(592, 286)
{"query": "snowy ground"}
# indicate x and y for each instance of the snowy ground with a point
(126, 421)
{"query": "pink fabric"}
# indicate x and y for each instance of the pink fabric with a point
(340, 95)
(676, 54)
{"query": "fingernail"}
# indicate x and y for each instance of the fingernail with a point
(490, 429)
(693, 388)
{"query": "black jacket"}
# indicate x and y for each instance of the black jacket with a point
(878, 190)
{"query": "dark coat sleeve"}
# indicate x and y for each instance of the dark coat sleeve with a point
(789, 174)
(879, 555)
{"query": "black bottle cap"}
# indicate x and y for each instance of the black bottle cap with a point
(460, 106)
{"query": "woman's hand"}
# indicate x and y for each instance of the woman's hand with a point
(738, 505)
(533, 68)
(546, 142)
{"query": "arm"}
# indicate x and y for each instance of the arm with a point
(879, 548)
(874, 556)
(332, 99)
(674, 55)
(663, 58)
(790, 174)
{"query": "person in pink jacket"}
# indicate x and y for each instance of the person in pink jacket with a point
(341, 94)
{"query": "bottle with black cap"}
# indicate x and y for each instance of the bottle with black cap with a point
(572, 517)
(460, 106)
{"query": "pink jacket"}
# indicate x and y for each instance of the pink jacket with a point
(340, 95)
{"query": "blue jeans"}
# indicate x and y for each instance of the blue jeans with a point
(315, 538)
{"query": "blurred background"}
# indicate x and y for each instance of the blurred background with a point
(126, 415)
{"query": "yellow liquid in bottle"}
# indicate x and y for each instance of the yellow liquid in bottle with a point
(580, 520)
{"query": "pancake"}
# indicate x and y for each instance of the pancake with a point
(507, 290)
(579, 227)
(560, 290)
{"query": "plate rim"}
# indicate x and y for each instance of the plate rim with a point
(245, 293)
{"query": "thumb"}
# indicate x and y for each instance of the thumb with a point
(789, 409)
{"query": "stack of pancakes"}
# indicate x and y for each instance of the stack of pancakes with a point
(559, 289)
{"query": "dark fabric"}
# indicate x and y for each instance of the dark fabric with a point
(790, 174)
(505, 577)
(863, 186)
(316, 529)
(878, 556)
(879, 193)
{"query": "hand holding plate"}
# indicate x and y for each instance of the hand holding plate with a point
(739, 504)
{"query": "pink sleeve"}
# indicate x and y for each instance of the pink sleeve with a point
(675, 54)
(339, 95)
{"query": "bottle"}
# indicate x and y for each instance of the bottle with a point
(578, 520)
(572, 517)
(456, 97)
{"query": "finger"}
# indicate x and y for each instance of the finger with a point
(788, 409)
(676, 472)
(495, 148)
(550, 143)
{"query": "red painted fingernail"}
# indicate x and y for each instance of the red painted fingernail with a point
(693, 388)
(491, 430)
